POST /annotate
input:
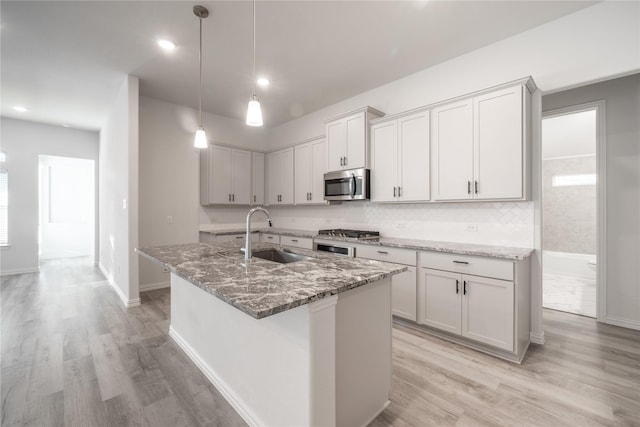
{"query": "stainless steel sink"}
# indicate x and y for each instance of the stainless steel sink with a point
(280, 256)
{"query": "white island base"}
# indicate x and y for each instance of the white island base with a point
(327, 363)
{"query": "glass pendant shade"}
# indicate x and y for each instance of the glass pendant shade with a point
(201, 139)
(254, 114)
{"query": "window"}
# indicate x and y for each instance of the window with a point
(573, 180)
(4, 206)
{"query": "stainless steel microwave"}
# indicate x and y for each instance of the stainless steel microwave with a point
(347, 185)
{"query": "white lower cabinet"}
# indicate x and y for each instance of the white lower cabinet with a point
(475, 307)
(403, 285)
(456, 296)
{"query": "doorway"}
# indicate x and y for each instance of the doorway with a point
(570, 210)
(66, 208)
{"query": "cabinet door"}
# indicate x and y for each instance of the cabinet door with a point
(498, 145)
(257, 197)
(413, 152)
(440, 297)
(318, 169)
(335, 145)
(286, 177)
(303, 158)
(403, 294)
(274, 174)
(384, 162)
(487, 311)
(355, 152)
(452, 142)
(219, 174)
(241, 176)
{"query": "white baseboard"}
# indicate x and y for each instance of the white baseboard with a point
(537, 338)
(624, 323)
(230, 396)
(135, 302)
(19, 271)
(153, 286)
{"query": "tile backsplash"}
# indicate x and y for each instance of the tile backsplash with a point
(496, 223)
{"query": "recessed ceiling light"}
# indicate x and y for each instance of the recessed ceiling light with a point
(263, 82)
(166, 44)
(66, 125)
(20, 108)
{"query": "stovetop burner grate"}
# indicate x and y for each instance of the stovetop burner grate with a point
(355, 234)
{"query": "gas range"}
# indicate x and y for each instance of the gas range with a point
(353, 234)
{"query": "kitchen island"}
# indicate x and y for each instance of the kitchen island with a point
(305, 343)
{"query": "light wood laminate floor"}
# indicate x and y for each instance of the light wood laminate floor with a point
(73, 355)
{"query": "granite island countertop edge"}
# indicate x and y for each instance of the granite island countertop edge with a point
(190, 271)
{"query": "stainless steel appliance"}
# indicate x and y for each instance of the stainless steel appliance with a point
(341, 247)
(347, 185)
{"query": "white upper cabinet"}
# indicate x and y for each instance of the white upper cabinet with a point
(225, 176)
(400, 159)
(479, 146)
(257, 189)
(310, 160)
(347, 139)
(498, 144)
(280, 177)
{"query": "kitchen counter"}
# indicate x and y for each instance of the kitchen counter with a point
(503, 252)
(281, 231)
(264, 288)
(315, 347)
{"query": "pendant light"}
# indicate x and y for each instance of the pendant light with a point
(254, 114)
(200, 140)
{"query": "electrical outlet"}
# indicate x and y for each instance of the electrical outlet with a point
(169, 219)
(472, 227)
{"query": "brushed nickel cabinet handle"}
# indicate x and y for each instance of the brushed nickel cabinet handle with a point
(394, 191)
(294, 240)
(457, 286)
(383, 252)
(476, 186)
(468, 187)
(460, 262)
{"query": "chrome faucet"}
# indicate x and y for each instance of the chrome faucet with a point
(247, 245)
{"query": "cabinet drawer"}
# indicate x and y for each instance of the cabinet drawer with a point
(486, 267)
(270, 238)
(381, 253)
(297, 242)
(236, 237)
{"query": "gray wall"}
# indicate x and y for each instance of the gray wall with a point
(569, 212)
(622, 112)
(24, 141)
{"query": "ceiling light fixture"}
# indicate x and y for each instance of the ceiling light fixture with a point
(166, 44)
(200, 140)
(20, 108)
(254, 114)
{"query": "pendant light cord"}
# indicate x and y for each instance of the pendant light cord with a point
(200, 67)
(254, 48)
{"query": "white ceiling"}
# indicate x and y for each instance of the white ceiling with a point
(64, 60)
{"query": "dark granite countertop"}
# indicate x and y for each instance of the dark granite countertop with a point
(503, 252)
(264, 288)
(281, 231)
